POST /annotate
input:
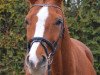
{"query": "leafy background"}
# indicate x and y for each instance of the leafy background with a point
(82, 17)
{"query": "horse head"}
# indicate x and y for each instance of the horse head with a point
(45, 26)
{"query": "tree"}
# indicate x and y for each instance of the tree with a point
(12, 36)
(83, 18)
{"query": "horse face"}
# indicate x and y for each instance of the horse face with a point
(41, 22)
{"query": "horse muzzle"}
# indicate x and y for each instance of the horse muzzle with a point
(36, 65)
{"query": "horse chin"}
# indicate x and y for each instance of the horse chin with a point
(40, 70)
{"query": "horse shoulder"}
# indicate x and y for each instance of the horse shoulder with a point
(84, 48)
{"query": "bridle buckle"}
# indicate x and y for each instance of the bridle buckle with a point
(50, 59)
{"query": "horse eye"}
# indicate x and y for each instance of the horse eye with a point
(59, 22)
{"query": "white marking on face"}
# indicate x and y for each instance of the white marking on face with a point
(39, 32)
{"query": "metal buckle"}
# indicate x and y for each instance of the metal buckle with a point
(50, 59)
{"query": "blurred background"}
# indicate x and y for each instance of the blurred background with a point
(82, 17)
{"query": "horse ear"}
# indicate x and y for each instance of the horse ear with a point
(32, 1)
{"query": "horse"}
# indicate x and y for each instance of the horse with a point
(51, 50)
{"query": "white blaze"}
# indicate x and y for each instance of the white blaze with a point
(39, 32)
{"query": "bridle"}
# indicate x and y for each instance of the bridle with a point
(44, 42)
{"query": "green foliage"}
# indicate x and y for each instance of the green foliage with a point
(12, 36)
(84, 24)
(82, 18)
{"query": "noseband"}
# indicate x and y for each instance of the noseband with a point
(44, 42)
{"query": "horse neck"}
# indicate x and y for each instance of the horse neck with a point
(63, 63)
(67, 54)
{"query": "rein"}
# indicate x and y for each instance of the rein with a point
(44, 42)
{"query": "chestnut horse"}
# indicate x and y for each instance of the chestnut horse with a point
(51, 51)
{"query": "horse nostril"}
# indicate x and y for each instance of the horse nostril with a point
(42, 60)
(30, 62)
(27, 58)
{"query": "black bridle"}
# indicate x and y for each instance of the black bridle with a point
(44, 42)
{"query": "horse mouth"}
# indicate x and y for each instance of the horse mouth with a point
(40, 69)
